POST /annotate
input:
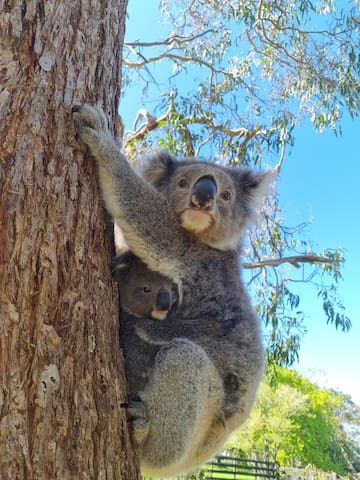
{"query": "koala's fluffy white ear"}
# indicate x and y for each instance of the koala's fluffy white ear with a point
(256, 185)
(159, 166)
(121, 262)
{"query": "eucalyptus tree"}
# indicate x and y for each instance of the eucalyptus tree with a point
(240, 78)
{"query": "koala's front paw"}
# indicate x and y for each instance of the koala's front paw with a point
(138, 418)
(90, 123)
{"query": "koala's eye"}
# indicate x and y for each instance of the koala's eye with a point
(226, 195)
(147, 289)
(182, 183)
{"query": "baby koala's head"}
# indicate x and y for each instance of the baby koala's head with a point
(143, 293)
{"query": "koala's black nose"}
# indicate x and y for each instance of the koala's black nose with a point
(204, 193)
(163, 300)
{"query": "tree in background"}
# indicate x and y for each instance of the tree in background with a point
(240, 80)
(296, 423)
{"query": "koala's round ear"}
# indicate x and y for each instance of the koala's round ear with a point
(159, 167)
(121, 262)
(254, 185)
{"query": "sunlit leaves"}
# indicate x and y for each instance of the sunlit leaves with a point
(296, 423)
(333, 309)
(241, 77)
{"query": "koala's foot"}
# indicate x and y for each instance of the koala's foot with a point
(138, 418)
(90, 124)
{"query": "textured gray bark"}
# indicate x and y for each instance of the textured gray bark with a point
(61, 373)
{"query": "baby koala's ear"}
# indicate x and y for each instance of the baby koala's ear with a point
(158, 167)
(121, 262)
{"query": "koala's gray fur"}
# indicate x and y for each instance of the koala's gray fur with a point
(145, 297)
(183, 414)
(142, 336)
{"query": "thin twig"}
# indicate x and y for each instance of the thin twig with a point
(281, 160)
(180, 58)
(294, 260)
(178, 39)
(152, 123)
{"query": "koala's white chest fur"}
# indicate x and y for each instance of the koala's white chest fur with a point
(195, 220)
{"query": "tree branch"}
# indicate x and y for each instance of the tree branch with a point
(281, 159)
(173, 39)
(152, 123)
(180, 58)
(295, 260)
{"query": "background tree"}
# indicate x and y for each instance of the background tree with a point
(60, 364)
(296, 423)
(239, 81)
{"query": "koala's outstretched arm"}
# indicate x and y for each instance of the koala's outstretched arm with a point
(149, 227)
(181, 400)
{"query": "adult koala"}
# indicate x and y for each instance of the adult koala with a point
(185, 220)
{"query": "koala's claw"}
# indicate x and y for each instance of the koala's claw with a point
(90, 116)
(137, 414)
(91, 125)
(132, 398)
(135, 398)
(136, 408)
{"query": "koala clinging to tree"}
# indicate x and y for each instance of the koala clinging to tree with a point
(145, 296)
(185, 220)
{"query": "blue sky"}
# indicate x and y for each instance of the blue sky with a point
(322, 177)
(319, 178)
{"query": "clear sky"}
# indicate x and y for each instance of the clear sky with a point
(320, 178)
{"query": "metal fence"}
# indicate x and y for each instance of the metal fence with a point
(235, 468)
(223, 467)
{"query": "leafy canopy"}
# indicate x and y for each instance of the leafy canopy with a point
(239, 78)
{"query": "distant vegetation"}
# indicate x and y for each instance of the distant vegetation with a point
(296, 423)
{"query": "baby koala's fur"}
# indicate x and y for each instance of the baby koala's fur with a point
(145, 297)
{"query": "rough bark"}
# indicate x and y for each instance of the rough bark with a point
(61, 377)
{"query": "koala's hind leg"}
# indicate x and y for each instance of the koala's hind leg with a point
(181, 399)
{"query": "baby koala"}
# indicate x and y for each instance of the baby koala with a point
(145, 298)
(143, 293)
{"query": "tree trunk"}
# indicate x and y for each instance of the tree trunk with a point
(61, 369)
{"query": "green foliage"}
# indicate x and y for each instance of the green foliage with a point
(263, 66)
(296, 423)
(240, 78)
(279, 304)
